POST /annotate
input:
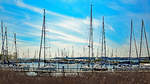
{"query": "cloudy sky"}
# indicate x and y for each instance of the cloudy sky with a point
(67, 24)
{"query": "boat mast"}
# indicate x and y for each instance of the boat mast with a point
(130, 42)
(55, 54)
(102, 42)
(97, 53)
(108, 52)
(112, 54)
(146, 40)
(16, 54)
(62, 53)
(49, 53)
(103, 51)
(43, 34)
(34, 56)
(6, 50)
(141, 41)
(58, 52)
(116, 54)
(104, 38)
(2, 52)
(135, 44)
(44, 38)
(90, 39)
(72, 52)
(143, 28)
(68, 53)
(28, 53)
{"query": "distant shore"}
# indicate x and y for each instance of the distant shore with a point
(11, 77)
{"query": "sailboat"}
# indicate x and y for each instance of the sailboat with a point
(144, 64)
(87, 67)
(47, 66)
(126, 65)
(100, 66)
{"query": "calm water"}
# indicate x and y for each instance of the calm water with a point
(71, 67)
(66, 66)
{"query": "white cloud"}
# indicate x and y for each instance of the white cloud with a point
(62, 35)
(23, 5)
(68, 24)
(38, 10)
(109, 27)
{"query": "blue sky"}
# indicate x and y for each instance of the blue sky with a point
(67, 22)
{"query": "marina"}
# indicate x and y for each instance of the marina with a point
(76, 68)
(87, 46)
